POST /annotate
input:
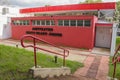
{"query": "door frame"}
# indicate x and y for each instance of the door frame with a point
(95, 36)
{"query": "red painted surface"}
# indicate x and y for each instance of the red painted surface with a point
(82, 37)
(92, 6)
(104, 24)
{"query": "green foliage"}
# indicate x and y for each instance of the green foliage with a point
(92, 1)
(111, 69)
(117, 41)
(111, 66)
(118, 10)
(118, 6)
(117, 13)
(15, 62)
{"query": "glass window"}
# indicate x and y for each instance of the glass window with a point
(42, 22)
(87, 23)
(21, 22)
(60, 22)
(38, 22)
(48, 22)
(79, 22)
(14, 22)
(33, 22)
(27, 22)
(66, 22)
(24, 22)
(72, 22)
(18, 22)
(52, 22)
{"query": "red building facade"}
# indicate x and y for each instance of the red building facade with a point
(68, 30)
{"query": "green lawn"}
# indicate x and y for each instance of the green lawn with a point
(15, 62)
(111, 67)
(117, 41)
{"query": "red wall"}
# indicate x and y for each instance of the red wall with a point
(82, 37)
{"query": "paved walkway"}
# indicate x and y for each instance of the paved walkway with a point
(95, 66)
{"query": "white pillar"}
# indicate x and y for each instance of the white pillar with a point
(98, 14)
(113, 42)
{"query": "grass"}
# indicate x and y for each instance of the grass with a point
(111, 67)
(117, 41)
(15, 62)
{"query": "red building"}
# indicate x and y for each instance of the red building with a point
(75, 25)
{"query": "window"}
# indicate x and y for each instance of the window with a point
(27, 22)
(14, 22)
(33, 22)
(52, 22)
(17, 22)
(47, 22)
(21, 22)
(42, 22)
(60, 22)
(79, 22)
(87, 23)
(72, 22)
(66, 22)
(24, 22)
(38, 22)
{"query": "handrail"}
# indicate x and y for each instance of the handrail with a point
(65, 52)
(115, 59)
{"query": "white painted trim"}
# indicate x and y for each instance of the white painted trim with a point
(113, 42)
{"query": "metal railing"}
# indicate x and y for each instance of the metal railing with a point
(64, 55)
(115, 59)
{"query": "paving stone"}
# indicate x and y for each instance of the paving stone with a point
(92, 72)
(103, 68)
(83, 71)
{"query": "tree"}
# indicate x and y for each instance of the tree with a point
(92, 1)
(47, 5)
(117, 13)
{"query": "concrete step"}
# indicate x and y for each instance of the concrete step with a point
(49, 72)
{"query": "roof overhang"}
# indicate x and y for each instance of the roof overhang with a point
(103, 24)
(69, 8)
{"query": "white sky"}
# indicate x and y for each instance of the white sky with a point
(34, 3)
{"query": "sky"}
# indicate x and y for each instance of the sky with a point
(39, 3)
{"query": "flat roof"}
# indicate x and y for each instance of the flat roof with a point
(73, 7)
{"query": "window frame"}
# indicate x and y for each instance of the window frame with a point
(88, 24)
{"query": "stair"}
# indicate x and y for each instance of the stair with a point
(49, 72)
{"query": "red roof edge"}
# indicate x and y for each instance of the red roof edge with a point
(104, 24)
(90, 6)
